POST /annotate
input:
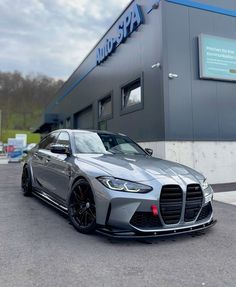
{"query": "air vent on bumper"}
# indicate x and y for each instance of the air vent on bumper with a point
(205, 212)
(145, 220)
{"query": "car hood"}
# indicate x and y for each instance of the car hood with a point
(141, 168)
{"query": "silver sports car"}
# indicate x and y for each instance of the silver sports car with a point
(107, 182)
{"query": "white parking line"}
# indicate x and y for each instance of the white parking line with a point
(226, 197)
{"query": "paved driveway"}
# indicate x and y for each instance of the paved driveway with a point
(38, 247)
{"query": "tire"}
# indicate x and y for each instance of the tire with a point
(26, 182)
(82, 210)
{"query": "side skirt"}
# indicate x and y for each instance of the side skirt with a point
(46, 198)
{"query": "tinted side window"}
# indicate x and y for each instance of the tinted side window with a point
(48, 141)
(64, 139)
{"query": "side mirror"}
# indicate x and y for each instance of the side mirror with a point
(60, 149)
(149, 151)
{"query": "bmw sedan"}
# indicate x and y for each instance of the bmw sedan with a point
(108, 183)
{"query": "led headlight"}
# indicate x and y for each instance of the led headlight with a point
(207, 190)
(124, 185)
(204, 184)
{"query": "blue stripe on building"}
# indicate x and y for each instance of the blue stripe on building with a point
(205, 7)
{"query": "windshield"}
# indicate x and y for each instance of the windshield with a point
(91, 142)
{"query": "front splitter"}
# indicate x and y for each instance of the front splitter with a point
(156, 234)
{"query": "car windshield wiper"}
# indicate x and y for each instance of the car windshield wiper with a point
(125, 153)
(115, 152)
(134, 154)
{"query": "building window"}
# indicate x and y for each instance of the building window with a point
(131, 96)
(68, 123)
(61, 125)
(105, 107)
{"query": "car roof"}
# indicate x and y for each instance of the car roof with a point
(84, 130)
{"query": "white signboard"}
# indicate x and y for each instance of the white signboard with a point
(22, 137)
(17, 143)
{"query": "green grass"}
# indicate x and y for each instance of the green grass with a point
(19, 121)
(31, 137)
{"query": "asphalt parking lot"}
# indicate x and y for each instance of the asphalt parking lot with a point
(38, 247)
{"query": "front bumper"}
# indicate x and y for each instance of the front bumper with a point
(155, 234)
(122, 214)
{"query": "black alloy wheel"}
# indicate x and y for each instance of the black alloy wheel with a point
(82, 211)
(26, 183)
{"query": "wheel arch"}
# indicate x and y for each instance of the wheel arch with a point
(25, 166)
(29, 168)
(77, 178)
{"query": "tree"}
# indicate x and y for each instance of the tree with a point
(23, 98)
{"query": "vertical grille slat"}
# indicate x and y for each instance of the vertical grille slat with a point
(171, 201)
(194, 198)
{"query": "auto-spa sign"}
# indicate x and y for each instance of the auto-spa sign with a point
(217, 57)
(125, 27)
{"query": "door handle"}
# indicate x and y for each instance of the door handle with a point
(47, 159)
(36, 156)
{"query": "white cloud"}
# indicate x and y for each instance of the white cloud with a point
(52, 36)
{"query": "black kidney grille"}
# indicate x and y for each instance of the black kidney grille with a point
(194, 198)
(145, 220)
(205, 212)
(171, 201)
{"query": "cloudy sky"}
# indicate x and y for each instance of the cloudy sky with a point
(52, 36)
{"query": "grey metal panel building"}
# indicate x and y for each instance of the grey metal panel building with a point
(196, 109)
(176, 110)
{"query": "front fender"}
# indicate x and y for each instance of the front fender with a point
(84, 170)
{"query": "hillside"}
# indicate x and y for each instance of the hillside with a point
(23, 99)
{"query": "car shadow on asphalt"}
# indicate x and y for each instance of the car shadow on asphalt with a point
(50, 207)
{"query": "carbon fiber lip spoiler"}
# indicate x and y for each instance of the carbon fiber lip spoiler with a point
(133, 235)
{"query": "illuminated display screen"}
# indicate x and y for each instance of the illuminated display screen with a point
(217, 57)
